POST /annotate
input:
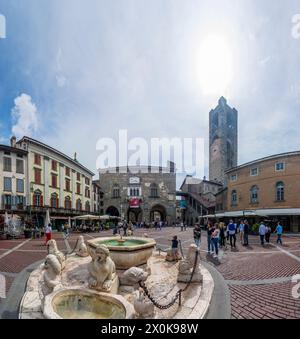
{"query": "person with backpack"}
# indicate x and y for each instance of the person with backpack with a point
(231, 228)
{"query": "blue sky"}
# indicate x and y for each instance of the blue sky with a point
(74, 71)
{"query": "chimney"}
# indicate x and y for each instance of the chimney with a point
(13, 141)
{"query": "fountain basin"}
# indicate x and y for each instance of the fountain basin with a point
(76, 303)
(135, 251)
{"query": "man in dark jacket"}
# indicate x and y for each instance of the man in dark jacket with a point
(246, 233)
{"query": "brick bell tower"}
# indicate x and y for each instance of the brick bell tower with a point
(223, 140)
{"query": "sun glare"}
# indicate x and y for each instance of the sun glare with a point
(215, 65)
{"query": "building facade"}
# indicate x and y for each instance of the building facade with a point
(97, 198)
(138, 194)
(223, 140)
(13, 183)
(270, 187)
(55, 182)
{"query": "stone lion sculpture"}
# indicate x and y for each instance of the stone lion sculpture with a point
(52, 271)
(52, 249)
(103, 271)
(133, 275)
(187, 265)
(81, 248)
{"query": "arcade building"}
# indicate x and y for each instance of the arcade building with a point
(140, 193)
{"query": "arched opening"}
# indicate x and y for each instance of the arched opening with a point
(54, 203)
(113, 211)
(135, 215)
(158, 213)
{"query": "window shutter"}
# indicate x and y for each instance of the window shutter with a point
(57, 203)
(42, 201)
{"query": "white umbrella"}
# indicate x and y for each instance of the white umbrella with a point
(69, 221)
(6, 219)
(47, 219)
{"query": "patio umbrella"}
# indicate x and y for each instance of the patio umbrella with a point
(69, 221)
(6, 219)
(47, 219)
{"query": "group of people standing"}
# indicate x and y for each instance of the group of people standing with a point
(219, 234)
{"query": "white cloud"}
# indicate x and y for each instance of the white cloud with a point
(25, 116)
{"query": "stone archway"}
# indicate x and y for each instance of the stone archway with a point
(158, 213)
(112, 211)
(135, 215)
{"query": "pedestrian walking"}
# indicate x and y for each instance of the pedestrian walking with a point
(222, 235)
(246, 233)
(210, 244)
(48, 232)
(268, 234)
(182, 226)
(197, 235)
(241, 229)
(215, 239)
(262, 233)
(231, 229)
(279, 231)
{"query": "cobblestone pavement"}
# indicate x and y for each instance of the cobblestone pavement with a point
(259, 278)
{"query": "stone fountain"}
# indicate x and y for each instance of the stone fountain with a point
(103, 278)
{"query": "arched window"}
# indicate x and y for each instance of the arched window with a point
(116, 191)
(254, 194)
(280, 191)
(153, 191)
(87, 206)
(234, 198)
(37, 198)
(54, 200)
(68, 203)
(78, 205)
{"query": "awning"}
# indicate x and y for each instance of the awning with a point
(260, 213)
(278, 211)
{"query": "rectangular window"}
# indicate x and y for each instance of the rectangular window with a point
(7, 184)
(20, 201)
(37, 176)
(279, 166)
(7, 164)
(54, 181)
(87, 181)
(78, 176)
(68, 185)
(20, 166)
(78, 189)
(54, 165)
(67, 171)
(20, 185)
(254, 172)
(233, 177)
(37, 159)
(7, 202)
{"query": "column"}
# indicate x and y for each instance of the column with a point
(46, 181)
(61, 185)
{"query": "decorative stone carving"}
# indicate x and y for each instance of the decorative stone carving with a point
(187, 265)
(52, 273)
(133, 275)
(142, 305)
(103, 271)
(52, 249)
(81, 248)
(170, 257)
